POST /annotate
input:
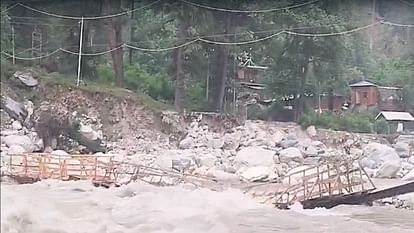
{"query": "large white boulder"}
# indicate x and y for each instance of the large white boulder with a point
(257, 173)
(255, 156)
(381, 157)
(290, 154)
(403, 149)
(88, 132)
(23, 141)
(186, 143)
(215, 143)
(16, 150)
(16, 125)
(221, 175)
(231, 141)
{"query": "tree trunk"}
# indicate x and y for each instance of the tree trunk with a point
(179, 62)
(222, 77)
(114, 35)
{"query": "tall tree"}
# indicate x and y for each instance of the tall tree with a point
(114, 35)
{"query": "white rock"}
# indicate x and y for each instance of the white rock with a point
(7, 132)
(388, 170)
(258, 173)
(278, 136)
(16, 150)
(309, 151)
(186, 143)
(215, 143)
(60, 153)
(16, 125)
(409, 176)
(411, 160)
(231, 141)
(255, 156)
(164, 162)
(221, 175)
(381, 157)
(403, 149)
(311, 130)
(23, 141)
(291, 154)
(207, 161)
(88, 132)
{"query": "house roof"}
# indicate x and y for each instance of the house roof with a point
(363, 83)
(395, 116)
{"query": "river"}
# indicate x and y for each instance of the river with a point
(77, 207)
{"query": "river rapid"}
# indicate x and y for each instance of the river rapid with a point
(77, 207)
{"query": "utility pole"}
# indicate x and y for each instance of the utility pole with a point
(13, 44)
(208, 77)
(80, 51)
(131, 31)
(371, 36)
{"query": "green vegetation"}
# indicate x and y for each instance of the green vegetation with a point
(352, 122)
(182, 72)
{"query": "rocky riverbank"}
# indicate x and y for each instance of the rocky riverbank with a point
(217, 147)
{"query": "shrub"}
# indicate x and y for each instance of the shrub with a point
(358, 123)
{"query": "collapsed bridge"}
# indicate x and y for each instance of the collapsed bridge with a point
(326, 185)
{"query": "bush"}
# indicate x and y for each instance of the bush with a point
(358, 123)
(381, 126)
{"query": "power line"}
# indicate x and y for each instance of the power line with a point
(243, 42)
(248, 11)
(408, 3)
(332, 33)
(89, 17)
(31, 58)
(398, 24)
(206, 41)
(9, 8)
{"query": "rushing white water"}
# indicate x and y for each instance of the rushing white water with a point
(77, 207)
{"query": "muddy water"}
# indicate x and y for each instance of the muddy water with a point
(77, 207)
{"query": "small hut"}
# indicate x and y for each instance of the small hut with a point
(397, 121)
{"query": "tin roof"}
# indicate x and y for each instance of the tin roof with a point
(363, 84)
(396, 116)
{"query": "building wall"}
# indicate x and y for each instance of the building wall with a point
(364, 96)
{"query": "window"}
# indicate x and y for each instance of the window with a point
(365, 94)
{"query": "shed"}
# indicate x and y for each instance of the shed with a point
(395, 116)
(398, 121)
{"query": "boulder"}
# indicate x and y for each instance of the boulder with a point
(16, 150)
(221, 175)
(309, 151)
(278, 136)
(403, 149)
(294, 176)
(255, 156)
(231, 141)
(383, 158)
(257, 173)
(26, 78)
(411, 160)
(311, 130)
(23, 141)
(16, 125)
(215, 143)
(186, 143)
(409, 176)
(7, 132)
(388, 170)
(88, 132)
(60, 153)
(15, 109)
(290, 154)
(207, 160)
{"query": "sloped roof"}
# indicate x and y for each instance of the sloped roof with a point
(396, 116)
(363, 84)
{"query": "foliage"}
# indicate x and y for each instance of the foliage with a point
(358, 123)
